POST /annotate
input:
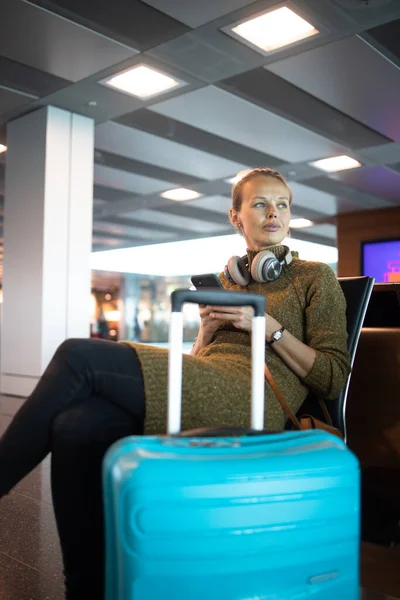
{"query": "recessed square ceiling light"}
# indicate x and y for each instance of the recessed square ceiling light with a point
(275, 29)
(336, 163)
(2, 148)
(180, 195)
(142, 81)
(298, 223)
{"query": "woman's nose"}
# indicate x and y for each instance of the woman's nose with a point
(271, 211)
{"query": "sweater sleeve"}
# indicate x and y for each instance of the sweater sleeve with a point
(326, 332)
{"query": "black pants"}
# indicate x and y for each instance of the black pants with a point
(90, 395)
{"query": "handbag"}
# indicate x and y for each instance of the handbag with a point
(305, 421)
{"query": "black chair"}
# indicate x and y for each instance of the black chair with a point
(380, 506)
(357, 292)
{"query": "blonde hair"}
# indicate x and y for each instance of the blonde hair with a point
(259, 172)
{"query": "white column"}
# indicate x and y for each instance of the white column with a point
(47, 241)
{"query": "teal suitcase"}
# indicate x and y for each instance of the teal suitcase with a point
(260, 517)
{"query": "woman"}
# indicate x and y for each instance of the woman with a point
(95, 392)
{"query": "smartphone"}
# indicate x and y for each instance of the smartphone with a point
(206, 281)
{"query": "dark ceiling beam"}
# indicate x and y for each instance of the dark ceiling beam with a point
(130, 165)
(124, 238)
(141, 224)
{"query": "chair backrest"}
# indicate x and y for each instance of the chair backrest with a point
(357, 292)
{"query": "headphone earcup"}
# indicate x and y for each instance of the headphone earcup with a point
(236, 271)
(265, 267)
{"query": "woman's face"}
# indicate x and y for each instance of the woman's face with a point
(264, 216)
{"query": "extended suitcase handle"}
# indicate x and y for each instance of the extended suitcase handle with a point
(218, 298)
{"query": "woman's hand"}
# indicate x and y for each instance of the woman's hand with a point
(211, 318)
(209, 324)
(240, 316)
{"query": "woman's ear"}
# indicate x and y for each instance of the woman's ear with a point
(233, 217)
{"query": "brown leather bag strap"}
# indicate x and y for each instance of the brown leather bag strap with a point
(281, 399)
(325, 412)
(285, 405)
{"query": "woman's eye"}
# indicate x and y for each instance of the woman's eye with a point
(282, 205)
(259, 205)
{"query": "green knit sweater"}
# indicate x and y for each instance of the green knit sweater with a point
(307, 300)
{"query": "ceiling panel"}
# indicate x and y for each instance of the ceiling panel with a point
(289, 101)
(195, 13)
(45, 41)
(129, 230)
(10, 100)
(307, 197)
(242, 122)
(218, 204)
(340, 74)
(151, 149)
(385, 154)
(194, 225)
(375, 180)
(325, 230)
(185, 134)
(209, 53)
(349, 198)
(133, 23)
(388, 36)
(128, 182)
(200, 214)
(368, 12)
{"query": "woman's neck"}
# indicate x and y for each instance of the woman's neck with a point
(261, 248)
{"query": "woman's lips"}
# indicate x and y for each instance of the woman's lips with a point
(271, 227)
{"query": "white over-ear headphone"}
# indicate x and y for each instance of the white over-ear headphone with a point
(264, 267)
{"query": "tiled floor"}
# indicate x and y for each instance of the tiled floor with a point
(30, 561)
